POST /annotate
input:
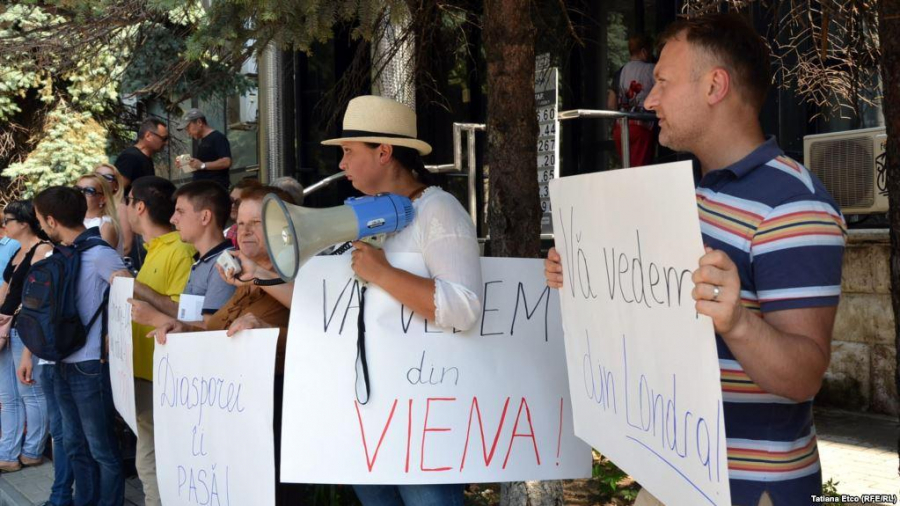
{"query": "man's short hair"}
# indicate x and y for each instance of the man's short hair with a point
(292, 186)
(149, 125)
(735, 45)
(207, 195)
(638, 43)
(259, 193)
(64, 204)
(156, 194)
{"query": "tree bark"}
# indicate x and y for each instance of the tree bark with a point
(514, 218)
(889, 35)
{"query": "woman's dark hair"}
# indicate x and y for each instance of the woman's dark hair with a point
(410, 159)
(23, 210)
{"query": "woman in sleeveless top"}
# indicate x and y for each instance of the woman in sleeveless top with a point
(101, 207)
(20, 401)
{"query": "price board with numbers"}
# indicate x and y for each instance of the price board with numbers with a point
(546, 96)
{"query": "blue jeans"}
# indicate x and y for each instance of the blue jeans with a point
(85, 402)
(410, 495)
(63, 476)
(20, 402)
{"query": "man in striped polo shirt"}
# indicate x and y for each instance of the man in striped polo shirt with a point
(771, 278)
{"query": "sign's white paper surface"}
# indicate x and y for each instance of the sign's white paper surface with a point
(121, 350)
(489, 404)
(643, 368)
(212, 415)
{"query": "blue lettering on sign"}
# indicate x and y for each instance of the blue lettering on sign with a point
(206, 487)
(192, 392)
(653, 415)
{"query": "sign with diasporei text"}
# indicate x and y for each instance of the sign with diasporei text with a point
(642, 364)
(121, 350)
(484, 405)
(212, 415)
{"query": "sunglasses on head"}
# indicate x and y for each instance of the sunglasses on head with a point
(108, 177)
(87, 190)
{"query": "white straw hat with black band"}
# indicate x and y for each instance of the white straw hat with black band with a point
(380, 120)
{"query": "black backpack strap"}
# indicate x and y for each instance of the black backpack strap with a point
(104, 306)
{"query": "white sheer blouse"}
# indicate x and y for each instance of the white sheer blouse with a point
(443, 233)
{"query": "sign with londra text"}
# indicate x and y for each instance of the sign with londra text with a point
(643, 368)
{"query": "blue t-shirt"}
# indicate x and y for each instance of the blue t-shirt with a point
(786, 235)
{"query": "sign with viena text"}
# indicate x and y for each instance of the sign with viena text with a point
(643, 368)
(446, 406)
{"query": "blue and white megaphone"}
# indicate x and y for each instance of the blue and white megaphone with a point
(295, 234)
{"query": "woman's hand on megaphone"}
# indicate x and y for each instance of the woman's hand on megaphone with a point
(369, 262)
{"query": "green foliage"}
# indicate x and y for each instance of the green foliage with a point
(611, 480)
(73, 144)
(617, 42)
(90, 83)
(829, 489)
(161, 49)
(292, 24)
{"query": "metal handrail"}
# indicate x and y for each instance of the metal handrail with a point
(323, 183)
(621, 116)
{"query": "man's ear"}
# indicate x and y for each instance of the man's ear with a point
(206, 217)
(719, 85)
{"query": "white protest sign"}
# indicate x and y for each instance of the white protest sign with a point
(212, 413)
(489, 404)
(642, 364)
(121, 350)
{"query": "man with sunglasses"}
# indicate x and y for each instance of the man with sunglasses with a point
(137, 161)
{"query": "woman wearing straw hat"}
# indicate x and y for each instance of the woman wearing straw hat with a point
(382, 155)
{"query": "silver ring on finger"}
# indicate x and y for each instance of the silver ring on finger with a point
(716, 292)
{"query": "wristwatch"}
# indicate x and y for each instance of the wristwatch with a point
(203, 166)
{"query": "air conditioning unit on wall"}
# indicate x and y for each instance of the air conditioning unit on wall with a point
(852, 167)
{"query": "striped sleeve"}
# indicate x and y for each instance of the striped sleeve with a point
(796, 254)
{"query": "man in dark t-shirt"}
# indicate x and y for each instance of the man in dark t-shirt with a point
(212, 158)
(137, 161)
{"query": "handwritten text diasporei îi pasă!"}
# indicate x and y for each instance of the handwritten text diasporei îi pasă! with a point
(202, 481)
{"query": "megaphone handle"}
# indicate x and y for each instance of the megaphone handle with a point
(361, 349)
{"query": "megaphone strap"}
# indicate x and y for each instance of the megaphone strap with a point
(361, 349)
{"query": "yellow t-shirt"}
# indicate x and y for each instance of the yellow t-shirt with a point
(165, 270)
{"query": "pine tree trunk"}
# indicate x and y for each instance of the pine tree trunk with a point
(514, 210)
(889, 35)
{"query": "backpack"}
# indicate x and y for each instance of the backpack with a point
(48, 321)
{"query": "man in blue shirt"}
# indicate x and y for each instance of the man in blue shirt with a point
(81, 384)
(771, 277)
